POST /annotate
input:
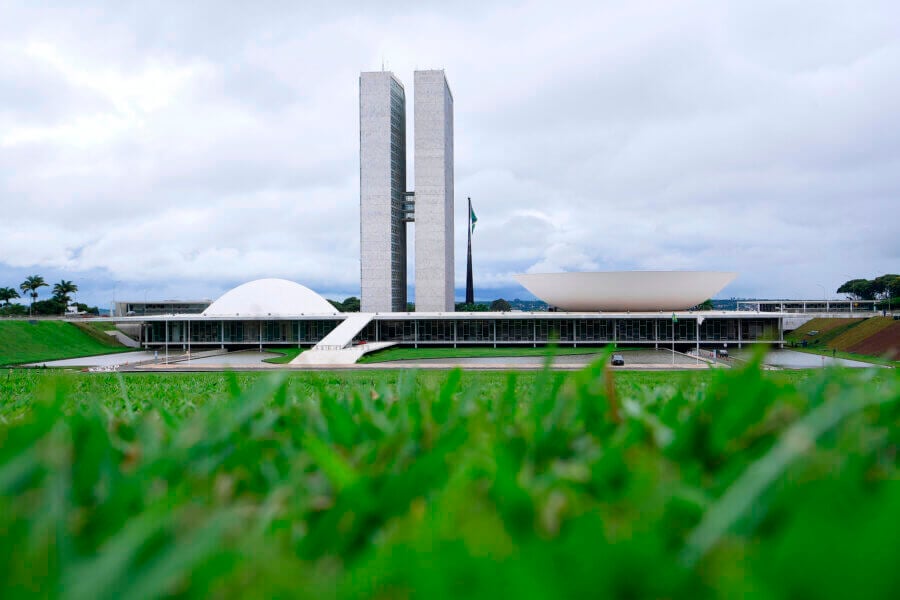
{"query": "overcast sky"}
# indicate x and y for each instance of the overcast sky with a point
(167, 150)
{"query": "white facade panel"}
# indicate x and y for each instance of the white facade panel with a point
(382, 183)
(434, 192)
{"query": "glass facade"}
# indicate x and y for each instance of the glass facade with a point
(240, 332)
(809, 306)
(398, 197)
(448, 331)
(141, 309)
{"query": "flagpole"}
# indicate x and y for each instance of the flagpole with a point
(470, 288)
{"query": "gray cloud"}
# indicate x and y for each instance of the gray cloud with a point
(186, 146)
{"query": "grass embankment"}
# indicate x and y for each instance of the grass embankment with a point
(287, 355)
(725, 483)
(392, 354)
(24, 342)
(98, 331)
(875, 339)
(853, 338)
(826, 329)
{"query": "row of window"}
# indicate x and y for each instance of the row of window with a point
(469, 330)
(249, 332)
(568, 330)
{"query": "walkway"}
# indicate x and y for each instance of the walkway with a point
(342, 335)
(336, 348)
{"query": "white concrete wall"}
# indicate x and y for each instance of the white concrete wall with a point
(434, 192)
(796, 320)
(376, 216)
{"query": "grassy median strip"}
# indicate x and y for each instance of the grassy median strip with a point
(710, 484)
(392, 354)
(287, 355)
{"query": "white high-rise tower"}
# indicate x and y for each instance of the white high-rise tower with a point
(385, 205)
(434, 192)
(382, 185)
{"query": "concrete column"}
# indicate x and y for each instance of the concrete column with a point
(574, 334)
(698, 336)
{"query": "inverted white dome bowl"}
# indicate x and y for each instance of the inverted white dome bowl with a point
(625, 290)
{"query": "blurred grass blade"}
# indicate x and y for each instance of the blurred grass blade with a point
(742, 494)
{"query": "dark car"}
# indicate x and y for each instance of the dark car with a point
(618, 360)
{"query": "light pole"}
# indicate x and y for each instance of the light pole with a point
(824, 296)
(113, 311)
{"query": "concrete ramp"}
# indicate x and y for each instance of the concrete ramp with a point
(337, 347)
(343, 356)
(342, 335)
(124, 339)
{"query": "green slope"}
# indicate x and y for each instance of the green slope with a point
(827, 329)
(25, 342)
(859, 334)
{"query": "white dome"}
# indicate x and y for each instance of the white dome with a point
(264, 297)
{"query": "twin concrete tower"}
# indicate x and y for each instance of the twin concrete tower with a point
(385, 205)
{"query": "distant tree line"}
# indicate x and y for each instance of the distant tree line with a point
(885, 287)
(498, 305)
(30, 288)
(350, 304)
(705, 305)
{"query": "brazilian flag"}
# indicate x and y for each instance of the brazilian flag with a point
(472, 217)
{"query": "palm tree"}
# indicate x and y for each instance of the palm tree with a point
(31, 285)
(64, 289)
(7, 294)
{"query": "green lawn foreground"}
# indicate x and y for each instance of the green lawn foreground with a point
(711, 484)
(184, 393)
(24, 342)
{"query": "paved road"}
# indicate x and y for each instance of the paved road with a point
(632, 358)
(243, 358)
(103, 360)
(791, 359)
(648, 359)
